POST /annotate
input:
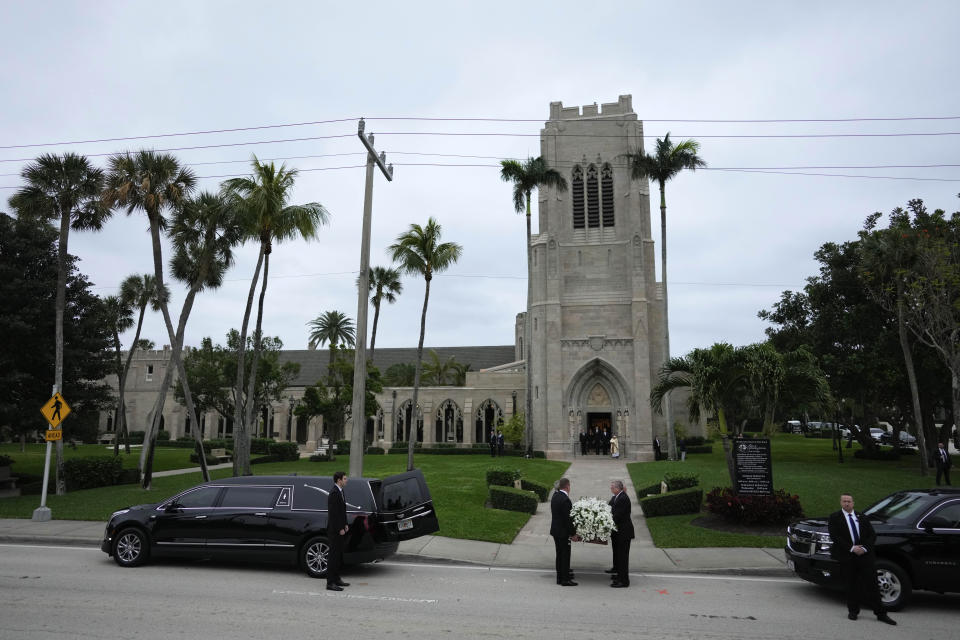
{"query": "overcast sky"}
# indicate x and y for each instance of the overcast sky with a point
(76, 71)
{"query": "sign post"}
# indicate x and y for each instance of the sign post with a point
(55, 410)
(752, 466)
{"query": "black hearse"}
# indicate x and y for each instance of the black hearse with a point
(273, 519)
(918, 545)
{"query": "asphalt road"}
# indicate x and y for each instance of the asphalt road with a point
(73, 592)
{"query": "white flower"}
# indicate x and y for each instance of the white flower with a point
(593, 519)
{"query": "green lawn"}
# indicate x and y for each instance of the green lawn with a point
(30, 462)
(457, 483)
(804, 466)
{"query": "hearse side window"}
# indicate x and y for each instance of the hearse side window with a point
(253, 497)
(947, 517)
(312, 496)
(398, 496)
(198, 499)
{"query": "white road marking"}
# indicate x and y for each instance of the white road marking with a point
(49, 546)
(284, 592)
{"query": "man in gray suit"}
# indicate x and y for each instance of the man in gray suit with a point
(621, 537)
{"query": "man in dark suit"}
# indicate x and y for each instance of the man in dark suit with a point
(620, 539)
(656, 449)
(605, 439)
(583, 443)
(499, 443)
(943, 462)
(337, 529)
(493, 443)
(853, 542)
(563, 531)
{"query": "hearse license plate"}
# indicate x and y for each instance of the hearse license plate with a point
(404, 525)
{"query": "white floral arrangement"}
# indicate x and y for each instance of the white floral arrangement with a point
(593, 519)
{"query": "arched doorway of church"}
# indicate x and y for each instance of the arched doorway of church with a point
(489, 416)
(597, 402)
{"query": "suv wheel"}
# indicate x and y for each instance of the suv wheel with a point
(894, 583)
(131, 548)
(315, 557)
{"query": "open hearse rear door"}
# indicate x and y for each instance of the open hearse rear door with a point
(406, 508)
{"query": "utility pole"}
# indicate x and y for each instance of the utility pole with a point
(358, 412)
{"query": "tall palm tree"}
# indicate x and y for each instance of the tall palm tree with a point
(527, 176)
(138, 292)
(204, 233)
(263, 199)
(118, 316)
(420, 252)
(64, 188)
(155, 184)
(386, 286)
(668, 161)
(334, 328)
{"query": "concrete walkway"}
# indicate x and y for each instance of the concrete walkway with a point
(532, 548)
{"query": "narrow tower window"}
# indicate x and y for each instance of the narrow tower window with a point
(593, 198)
(607, 186)
(577, 197)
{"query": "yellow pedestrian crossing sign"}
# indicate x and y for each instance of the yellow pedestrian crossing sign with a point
(55, 410)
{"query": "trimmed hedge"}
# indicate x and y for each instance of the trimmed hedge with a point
(696, 441)
(343, 446)
(672, 503)
(89, 473)
(541, 490)
(211, 460)
(704, 448)
(653, 489)
(780, 508)
(502, 477)
(284, 451)
(262, 459)
(461, 451)
(376, 451)
(329, 456)
(513, 499)
(677, 480)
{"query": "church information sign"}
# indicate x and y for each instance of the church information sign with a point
(752, 466)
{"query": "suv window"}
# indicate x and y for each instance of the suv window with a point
(947, 517)
(252, 497)
(200, 498)
(401, 495)
(900, 507)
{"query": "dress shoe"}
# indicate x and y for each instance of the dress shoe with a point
(334, 587)
(568, 583)
(852, 616)
(886, 620)
(609, 570)
(618, 585)
(343, 584)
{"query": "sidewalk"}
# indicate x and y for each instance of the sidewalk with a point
(532, 548)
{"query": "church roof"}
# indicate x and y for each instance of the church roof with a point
(313, 362)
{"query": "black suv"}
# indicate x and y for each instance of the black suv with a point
(918, 545)
(273, 519)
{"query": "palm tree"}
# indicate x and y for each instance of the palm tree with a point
(137, 292)
(204, 232)
(419, 251)
(154, 183)
(386, 286)
(118, 316)
(669, 160)
(334, 328)
(64, 188)
(527, 176)
(263, 199)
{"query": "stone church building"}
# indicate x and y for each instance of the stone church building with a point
(597, 313)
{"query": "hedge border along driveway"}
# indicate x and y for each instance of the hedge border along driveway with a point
(807, 467)
(458, 485)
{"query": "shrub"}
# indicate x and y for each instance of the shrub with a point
(400, 444)
(695, 441)
(677, 480)
(6, 461)
(541, 490)
(513, 499)
(128, 476)
(284, 451)
(163, 436)
(502, 477)
(329, 456)
(262, 459)
(343, 446)
(136, 437)
(257, 445)
(376, 451)
(779, 508)
(672, 503)
(88, 473)
(211, 460)
(653, 489)
(705, 448)
(219, 443)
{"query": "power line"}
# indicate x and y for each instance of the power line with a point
(468, 119)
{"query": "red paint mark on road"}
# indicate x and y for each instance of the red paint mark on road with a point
(688, 593)
(663, 592)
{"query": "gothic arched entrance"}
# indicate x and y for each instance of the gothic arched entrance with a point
(597, 398)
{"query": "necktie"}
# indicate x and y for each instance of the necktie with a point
(943, 454)
(853, 527)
